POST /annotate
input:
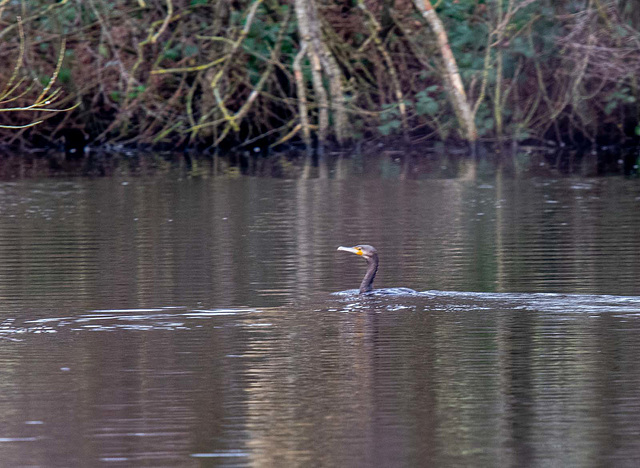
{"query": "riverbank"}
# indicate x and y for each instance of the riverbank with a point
(389, 160)
(236, 74)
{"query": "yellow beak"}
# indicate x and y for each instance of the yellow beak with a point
(351, 249)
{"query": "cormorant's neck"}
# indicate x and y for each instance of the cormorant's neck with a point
(372, 269)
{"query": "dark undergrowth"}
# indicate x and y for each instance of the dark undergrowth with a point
(209, 76)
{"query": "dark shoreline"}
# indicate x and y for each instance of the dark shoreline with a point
(409, 161)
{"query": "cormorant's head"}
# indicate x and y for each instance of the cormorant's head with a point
(371, 256)
(365, 251)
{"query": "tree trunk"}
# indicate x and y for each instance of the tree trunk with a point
(322, 61)
(302, 96)
(452, 79)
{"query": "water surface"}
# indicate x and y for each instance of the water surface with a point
(174, 321)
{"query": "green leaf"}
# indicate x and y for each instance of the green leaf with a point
(172, 54)
(389, 127)
(190, 50)
(65, 75)
(610, 107)
(432, 107)
(427, 106)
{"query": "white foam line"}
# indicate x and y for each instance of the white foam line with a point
(235, 311)
(18, 439)
(207, 314)
(88, 318)
(124, 311)
(220, 454)
(45, 320)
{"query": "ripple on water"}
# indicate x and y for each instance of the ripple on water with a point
(378, 301)
(163, 318)
(398, 299)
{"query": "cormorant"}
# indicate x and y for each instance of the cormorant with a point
(370, 254)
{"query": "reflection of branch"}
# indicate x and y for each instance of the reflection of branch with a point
(46, 97)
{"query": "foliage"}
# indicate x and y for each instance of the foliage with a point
(208, 73)
(24, 104)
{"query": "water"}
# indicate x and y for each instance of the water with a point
(173, 321)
